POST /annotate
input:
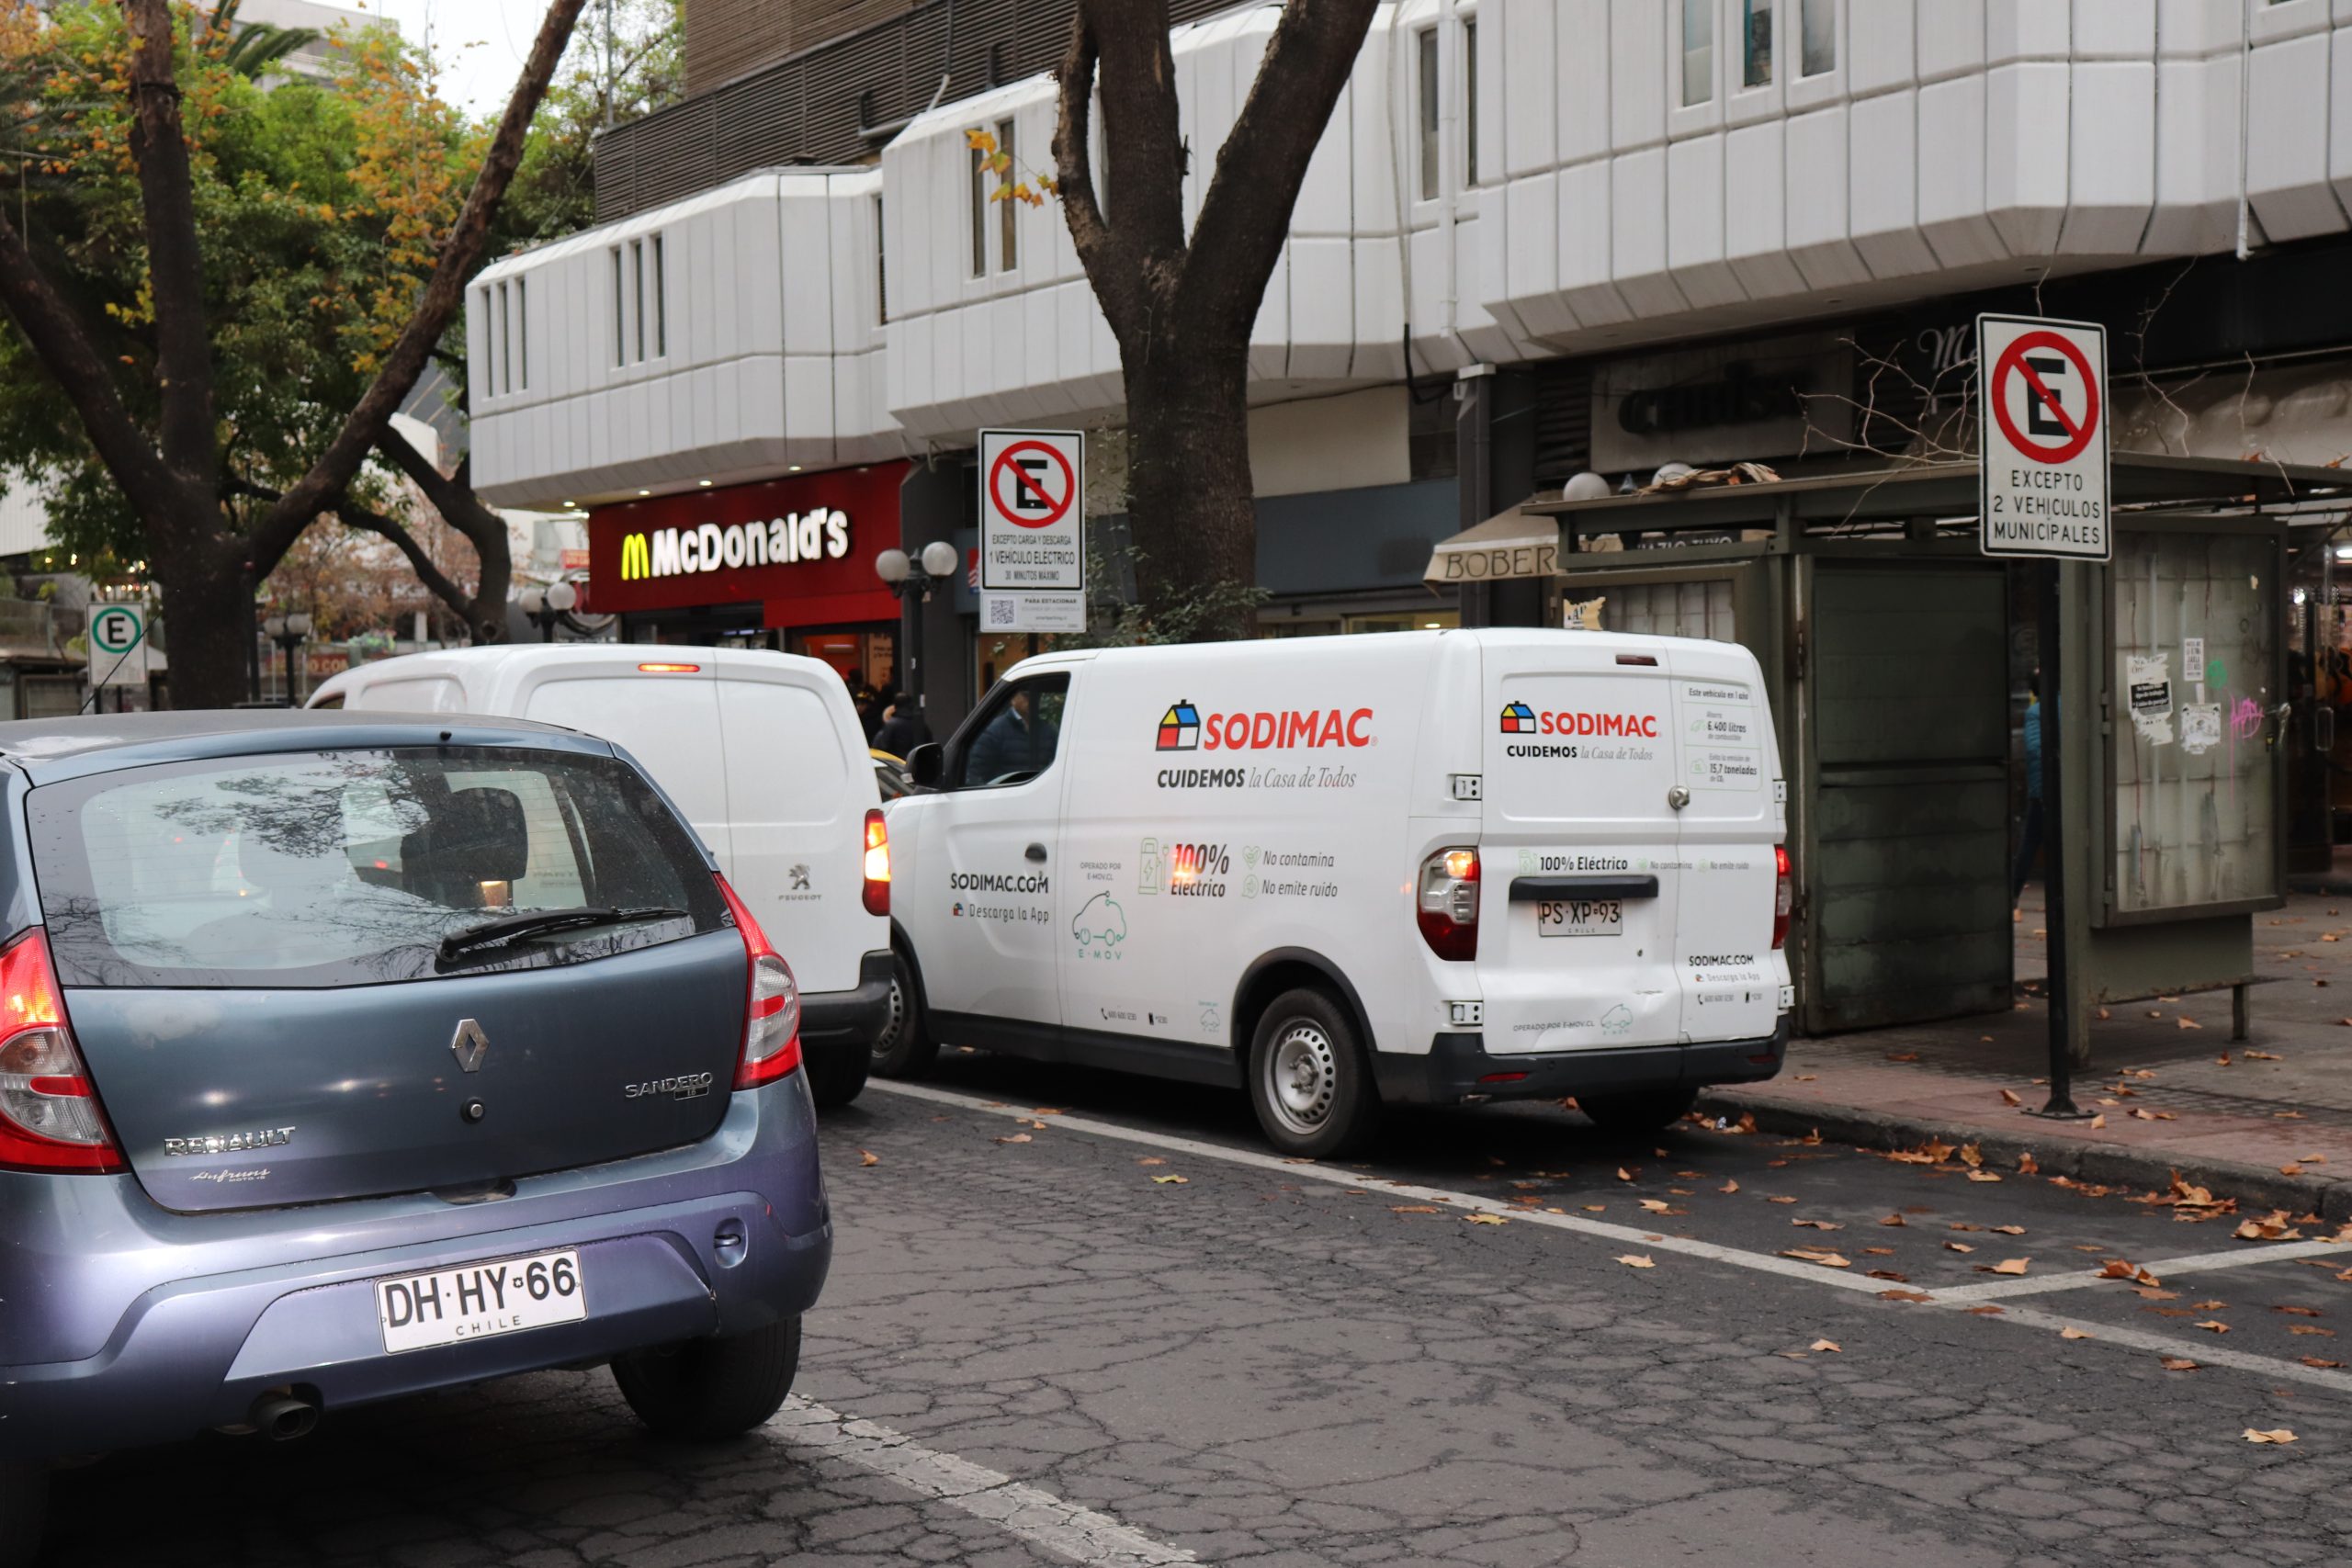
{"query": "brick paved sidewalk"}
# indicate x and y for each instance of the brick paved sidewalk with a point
(2268, 1119)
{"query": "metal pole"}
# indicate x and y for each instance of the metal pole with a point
(914, 648)
(2054, 840)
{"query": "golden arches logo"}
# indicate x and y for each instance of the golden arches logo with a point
(636, 558)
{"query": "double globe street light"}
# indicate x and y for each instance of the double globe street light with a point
(904, 574)
(289, 632)
(545, 606)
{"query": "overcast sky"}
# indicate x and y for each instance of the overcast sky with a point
(479, 44)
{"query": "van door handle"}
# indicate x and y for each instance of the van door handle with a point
(1037, 852)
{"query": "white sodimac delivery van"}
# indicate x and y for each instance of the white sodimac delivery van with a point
(760, 752)
(1420, 868)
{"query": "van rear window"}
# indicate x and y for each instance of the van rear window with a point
(345, 868)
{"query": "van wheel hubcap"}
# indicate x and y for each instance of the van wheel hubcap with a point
(889, 1035)
(1302, 1077)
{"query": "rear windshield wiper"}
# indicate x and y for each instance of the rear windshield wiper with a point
(535, 922)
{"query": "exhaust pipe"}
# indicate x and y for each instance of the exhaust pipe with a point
(282, 1417)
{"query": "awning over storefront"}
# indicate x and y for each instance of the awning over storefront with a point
(1508, 545)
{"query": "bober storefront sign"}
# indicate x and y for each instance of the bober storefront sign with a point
(802, 547)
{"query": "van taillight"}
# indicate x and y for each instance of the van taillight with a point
(1447, 904)
(1784, 898)
(50, 1117)
(876, 865)
(771, 1005)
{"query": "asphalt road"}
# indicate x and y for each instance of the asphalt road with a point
(1035, 1349)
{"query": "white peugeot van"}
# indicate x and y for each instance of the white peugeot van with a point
(760, 752)
(1420, 868)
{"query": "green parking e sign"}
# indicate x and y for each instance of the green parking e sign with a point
(118, 629)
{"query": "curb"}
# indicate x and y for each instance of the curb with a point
(2114, 1165)
(2321, 886)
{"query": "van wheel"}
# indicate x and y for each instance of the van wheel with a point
(836, 1073)
(707, 1389)
(1646, 1110)
(1308, 1079)
(24, 1504)
(904, 1049)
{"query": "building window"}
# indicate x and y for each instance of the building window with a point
(661, 303)
(1756, 44)
(620, 313)
(1008, 221)
(979, 213)
(522, 336)
(1817, 50)
(881, 273)
(1470, 102)
(1425, 47)
(505, 340)
(1698, 51)
(636, 296)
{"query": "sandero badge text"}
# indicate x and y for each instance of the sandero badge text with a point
(816, 535)
(1183, 729)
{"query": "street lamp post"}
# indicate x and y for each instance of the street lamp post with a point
(903, 575)
(547, 605)
(289, 632)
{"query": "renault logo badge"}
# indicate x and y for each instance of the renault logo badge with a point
(470, 1045)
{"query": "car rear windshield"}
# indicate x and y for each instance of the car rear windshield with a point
(340, 868)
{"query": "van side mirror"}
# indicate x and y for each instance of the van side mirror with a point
(926, 765)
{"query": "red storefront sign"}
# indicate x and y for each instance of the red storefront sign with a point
(803, 547)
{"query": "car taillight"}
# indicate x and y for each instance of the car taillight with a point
(1447, 904)
(771, 1008)
(50, 1117)
(877, 864)
(1784, 898)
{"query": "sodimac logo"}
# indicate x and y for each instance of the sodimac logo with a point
(1183, 728)
(1521, 720)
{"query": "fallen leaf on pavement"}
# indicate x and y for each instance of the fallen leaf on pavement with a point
(2179, 1364)
(1657, 1205)
(2071, 1332)
(2300, 1311)
(1171, 1181)
(2115, 1269)
(1151, 1159)
(1016, 1139)
(1804, 1077)
(2009, 1096)
(1903, 1056)
(2026, 1166)
(1827, 1260)
(1780, 1199)
(2210, 1306)
(1982, 1176)
(2212, 1326)
(1481, 1219)
(1893, 1220)
(1729, 1186)
(2253, 1055)
(1625, 1175)
(867, 1156)
(2011, 1266)
(1905, 1296)
(1596, 1208)
(1958, 1247)
(2291, 1168)
(1890, 1274)
(2147, 1294)
(1818, 1224)
(2310, 1328)
(1635, 1261)
(1413, 1208)
(2009, 1230)
(2192, 1023)
(2276, 1434)
(2098, 1121)
(1825, 1344)
(1971, 1155)
(1879, 1251)
(1988, 1310)
(1962, 1226)
(2317, 1362)
(2274, 1226)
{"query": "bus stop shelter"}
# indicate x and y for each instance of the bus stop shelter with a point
(1886, 638)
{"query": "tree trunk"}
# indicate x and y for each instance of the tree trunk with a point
(1189, 493)
(208, 617)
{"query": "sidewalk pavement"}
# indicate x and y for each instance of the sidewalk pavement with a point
(2267, 1121)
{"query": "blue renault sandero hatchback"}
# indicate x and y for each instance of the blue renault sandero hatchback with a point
(346, 1057)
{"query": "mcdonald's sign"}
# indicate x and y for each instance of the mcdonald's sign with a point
(635, 557)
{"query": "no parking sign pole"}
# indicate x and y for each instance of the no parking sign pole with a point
(1032, 530)
(2041, 409)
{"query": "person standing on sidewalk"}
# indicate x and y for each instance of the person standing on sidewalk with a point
(2029, 838)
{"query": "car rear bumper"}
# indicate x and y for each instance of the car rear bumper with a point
(853, 1018)
(1458, 1068)
(217, 1309)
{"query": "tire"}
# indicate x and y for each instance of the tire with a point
(1644, 1111)
(836, 1072)
(708, 1390)
(24, 1504)
(904, 1049)
(1309, 1080)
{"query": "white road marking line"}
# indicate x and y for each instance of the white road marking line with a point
(1037, 1516)
(1951, 1298)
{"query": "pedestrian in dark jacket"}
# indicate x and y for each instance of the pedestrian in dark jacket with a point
(902, 729)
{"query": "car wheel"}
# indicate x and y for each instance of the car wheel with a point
(1309, 1081)
(24, 1504)
(904, 1049)
(707, 1389)
(836, 1072)
(1646, 1110)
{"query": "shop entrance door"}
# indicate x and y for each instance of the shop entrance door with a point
(1906, 750)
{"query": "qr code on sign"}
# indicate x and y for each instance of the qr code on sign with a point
(1001, 612)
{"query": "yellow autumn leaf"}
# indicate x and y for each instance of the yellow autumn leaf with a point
(1635, 1261)
(1485, 1219)
(1170, 1180)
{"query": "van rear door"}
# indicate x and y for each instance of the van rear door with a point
(1580, 858)
(1723, 732)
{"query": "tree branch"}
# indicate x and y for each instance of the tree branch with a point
(174, 260)
(63, 348)
(1245, 218)
(1140, 135)
(1099, 251)
(437, 583)
(459, 253)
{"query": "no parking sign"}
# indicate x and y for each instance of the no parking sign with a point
(1033, 511)
(2041, 418)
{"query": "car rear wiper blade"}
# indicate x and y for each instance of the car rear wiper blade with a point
(535, 922)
